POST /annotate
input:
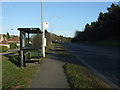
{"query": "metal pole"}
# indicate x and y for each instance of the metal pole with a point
(51, 28)
(42, 27)
(21, 51)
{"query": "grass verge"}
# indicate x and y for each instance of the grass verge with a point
(60, 50)
(14, 76)
(81, 77)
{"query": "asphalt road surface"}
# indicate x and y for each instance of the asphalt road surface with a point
(102, 60)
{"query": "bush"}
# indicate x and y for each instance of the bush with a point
(0, 49)
(13, 45)
(4, 48)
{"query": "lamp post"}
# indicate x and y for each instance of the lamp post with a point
(42, 27)
(51, 24)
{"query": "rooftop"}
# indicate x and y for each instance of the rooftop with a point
(4, 42)
(14, 38)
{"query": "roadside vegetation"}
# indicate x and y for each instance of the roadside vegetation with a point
(3, 49)
(60, 50)
(78, 75)
(53, 38)
(13, 46)
(104, 31)
(81, 77)
(14, 76)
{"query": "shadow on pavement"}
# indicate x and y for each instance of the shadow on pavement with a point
(32, 61)
(54, 54)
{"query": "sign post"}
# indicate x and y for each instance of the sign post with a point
(42, 27)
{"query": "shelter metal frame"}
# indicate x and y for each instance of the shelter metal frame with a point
(26, 49)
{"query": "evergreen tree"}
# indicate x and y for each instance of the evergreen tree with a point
(7, 35)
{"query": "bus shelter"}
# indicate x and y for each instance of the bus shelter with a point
(30, 45)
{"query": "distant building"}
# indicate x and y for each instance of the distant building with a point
(3, 41)
(14, 39)
(6, 42)
(1, 37)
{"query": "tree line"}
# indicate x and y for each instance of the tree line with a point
(54, 38)
(107, 27)
(50, 38)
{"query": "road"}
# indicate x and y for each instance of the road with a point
(102, 60)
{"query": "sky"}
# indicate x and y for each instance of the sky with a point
(64, 18)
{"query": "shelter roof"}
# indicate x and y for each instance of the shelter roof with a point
(30, 30)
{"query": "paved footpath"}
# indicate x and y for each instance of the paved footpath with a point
(51, 74)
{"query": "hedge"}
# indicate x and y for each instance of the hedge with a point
(13, 46)
(3, 48)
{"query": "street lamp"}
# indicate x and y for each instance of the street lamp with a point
(51, 24)
(42, 27)
(11, 29)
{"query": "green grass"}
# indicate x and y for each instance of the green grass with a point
(3, 49)
(14, 76)
(81, 77)
(60, 50)
(35, 53)
(106, 43)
